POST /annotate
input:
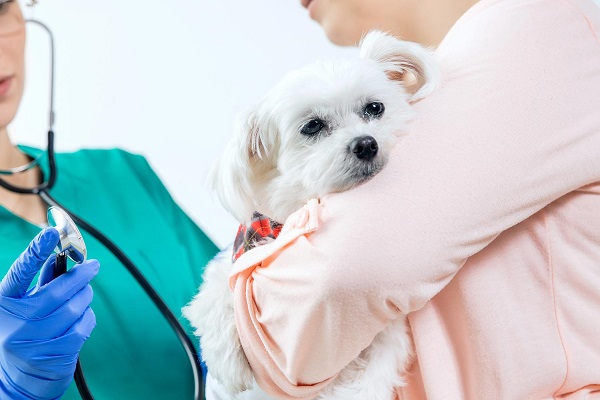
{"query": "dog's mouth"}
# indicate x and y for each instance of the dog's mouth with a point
(360, 171)
(367, 170)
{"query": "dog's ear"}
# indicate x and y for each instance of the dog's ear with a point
(245, 159)
(407, 62)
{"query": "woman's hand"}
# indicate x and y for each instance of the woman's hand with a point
(42, 329)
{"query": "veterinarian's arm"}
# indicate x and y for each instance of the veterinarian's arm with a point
(494, 145)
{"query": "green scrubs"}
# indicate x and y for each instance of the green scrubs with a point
(132, 353)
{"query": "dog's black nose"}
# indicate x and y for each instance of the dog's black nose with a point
(365, 148)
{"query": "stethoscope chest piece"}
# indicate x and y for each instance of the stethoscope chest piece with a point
(71, 242)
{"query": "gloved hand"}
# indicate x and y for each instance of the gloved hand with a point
(43, 329)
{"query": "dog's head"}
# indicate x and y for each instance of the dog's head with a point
(324, 128)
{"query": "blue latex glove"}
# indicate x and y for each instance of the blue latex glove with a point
(42, 329)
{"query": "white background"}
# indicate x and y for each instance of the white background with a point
(164, 79)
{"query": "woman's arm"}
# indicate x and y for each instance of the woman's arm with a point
(514, 126)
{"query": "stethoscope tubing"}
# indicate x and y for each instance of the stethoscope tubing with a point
(46, 185)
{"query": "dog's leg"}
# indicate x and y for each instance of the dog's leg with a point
(378, 370)
(211, 314)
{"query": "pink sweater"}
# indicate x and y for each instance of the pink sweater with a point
(485, 227)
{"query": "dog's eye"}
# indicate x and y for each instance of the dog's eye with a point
(374, 109)
(312, 127)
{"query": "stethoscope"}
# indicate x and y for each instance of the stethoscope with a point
(72, 245)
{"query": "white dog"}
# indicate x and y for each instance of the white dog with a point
(325, 128)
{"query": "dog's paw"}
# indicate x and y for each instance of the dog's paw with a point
(211, 314)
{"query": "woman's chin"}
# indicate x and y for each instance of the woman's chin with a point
(339, 34)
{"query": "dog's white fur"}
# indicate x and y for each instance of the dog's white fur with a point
(271, 167)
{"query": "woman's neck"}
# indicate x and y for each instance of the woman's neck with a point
(28, 207)
(10, 155)
(435, 18)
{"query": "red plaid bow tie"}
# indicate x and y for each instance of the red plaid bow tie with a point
(249, 236)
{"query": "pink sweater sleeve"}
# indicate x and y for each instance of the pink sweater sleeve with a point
(514, 126)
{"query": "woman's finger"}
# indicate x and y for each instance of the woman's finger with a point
(18, 278)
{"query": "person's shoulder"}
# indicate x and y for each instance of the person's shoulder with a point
(106, 166)
(517, 53)
(112, 156)
(113, 159)
(500, 29)
(92, 159)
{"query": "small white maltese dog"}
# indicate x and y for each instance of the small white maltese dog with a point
(324, 128)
